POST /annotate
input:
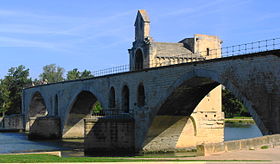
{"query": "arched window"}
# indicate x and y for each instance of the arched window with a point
(112, 98)
(125, 99)
(56, 105)
(138, 60)
(141, 95)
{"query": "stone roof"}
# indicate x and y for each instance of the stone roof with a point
(171, 50)
(144, 15)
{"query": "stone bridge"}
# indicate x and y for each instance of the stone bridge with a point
(172, 91)
(161, 108)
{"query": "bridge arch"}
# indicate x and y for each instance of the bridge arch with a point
(202, 81)
(176, 105)
(37, 106)
(80, 108)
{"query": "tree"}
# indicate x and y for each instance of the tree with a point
(97, 108)
(76, 74)
(52, 73)
(4, 98)
(86, 74)
(11, 88)
(232, 106)
(73, 74)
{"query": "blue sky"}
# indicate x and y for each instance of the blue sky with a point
(94, 34)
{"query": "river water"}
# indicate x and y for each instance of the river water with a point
(18, 142)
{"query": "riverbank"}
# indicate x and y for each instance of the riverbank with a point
(239, 121)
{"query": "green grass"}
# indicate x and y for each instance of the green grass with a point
(35, 158)
(240, 117)
(238, 124)
(239, 121)
(264, 147)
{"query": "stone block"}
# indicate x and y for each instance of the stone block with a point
(45, 128)
(110, 135)
(232, 145)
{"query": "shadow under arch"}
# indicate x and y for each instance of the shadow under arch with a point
(80, 108)
(37, 106)
(37, 111)
(204, 81)
(181, 100)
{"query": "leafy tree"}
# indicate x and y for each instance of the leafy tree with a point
(73, 74)
(232, 106)
(52, 73)
(11, 89)
(76, 74)
(4, 98)
(97, 108)
(86, 74)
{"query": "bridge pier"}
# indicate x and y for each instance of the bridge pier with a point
(44, 128)
(109, 135)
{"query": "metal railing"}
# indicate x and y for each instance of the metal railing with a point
(253, 47)
(241, 49)
(112, 70)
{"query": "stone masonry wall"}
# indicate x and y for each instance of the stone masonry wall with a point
(12, 122)
(109, 135)
(251, 78)
(44, 128)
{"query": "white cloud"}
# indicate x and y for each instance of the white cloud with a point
(15, 42)
(194, 9)
(101, 21)
(57, 36)
(205, 8)
(18, 42)
(32, 29)
(39, 17)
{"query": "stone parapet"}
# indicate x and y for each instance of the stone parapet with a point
(244, 144)
(12, 122)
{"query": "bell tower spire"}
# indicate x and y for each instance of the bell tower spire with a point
(142, 25)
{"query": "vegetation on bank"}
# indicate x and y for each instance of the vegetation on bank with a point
(239, 121)
(18, 78)
(36, 158)
(231, 106)
(240, 118)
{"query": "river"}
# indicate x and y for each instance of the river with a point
(18, 142)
